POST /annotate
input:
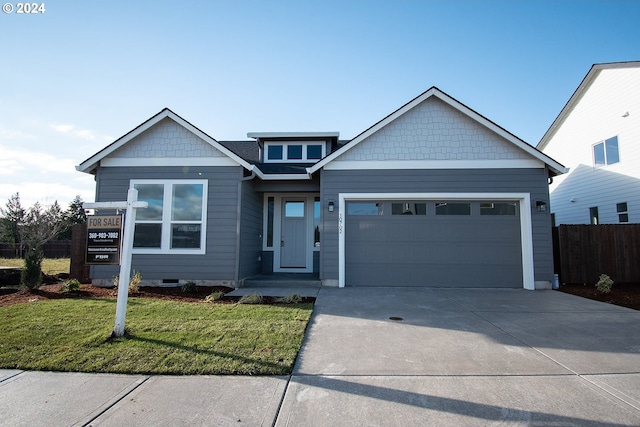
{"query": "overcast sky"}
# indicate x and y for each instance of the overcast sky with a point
(83, 73)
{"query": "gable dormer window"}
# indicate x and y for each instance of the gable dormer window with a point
(294, 151)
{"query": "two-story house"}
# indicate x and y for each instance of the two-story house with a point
(597, 136)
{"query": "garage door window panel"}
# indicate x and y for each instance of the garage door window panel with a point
(408, 208)
(365, 208)
(455, 208)
(498, 208)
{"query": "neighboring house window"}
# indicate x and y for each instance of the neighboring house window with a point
(606, 152)
(294, 152)
(593, 216)
(174, 222)
(623, 214)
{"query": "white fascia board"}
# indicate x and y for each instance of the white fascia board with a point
(526, 229)
(93, 161)
(435, 164)
(167, 161)
(271, 135)
(373, 129)
(577, 95)
(555, 166)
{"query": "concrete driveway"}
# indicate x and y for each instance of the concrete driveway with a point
(450, 357)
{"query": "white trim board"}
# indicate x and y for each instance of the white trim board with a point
(526, 236)
(166, 161)
(434, 164)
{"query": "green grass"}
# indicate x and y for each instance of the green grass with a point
(164, 337)
(50, 266)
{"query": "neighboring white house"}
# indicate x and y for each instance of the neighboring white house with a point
(597, 136)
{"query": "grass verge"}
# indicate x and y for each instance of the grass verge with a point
(50, 266)
(164, 337)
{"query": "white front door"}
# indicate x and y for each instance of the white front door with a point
(294, 242)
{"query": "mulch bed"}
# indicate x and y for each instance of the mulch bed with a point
(623, 294)
(10, 296)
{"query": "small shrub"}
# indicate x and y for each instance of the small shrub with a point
(290, 299)
(134, 282)
(31, 275)
(250, 299)
(604, 284)
(70, 286)
(189, 288)
(214, 296)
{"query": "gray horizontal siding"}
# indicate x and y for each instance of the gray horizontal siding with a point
(533, 181)
(250, 231)
(219, 261)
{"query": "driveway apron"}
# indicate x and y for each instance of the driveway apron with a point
(413, 357)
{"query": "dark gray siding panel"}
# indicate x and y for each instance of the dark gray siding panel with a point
(250, 231)
(219, 261)
(433, 250)
(533, 181)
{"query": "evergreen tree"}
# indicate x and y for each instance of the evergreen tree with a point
(12, 218)
(75, 214)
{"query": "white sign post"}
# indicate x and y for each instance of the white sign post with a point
(130, 205)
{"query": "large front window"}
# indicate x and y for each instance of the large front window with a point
(174, 222)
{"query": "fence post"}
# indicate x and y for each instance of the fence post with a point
(78, 269)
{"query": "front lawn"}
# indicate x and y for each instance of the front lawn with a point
(164, 337)
(50, 266)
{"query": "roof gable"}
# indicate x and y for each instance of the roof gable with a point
(579, 93)
(420, 108)
(168, 133)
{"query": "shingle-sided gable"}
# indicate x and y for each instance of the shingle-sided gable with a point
(166, 139)
(434, 131)
(431, 129)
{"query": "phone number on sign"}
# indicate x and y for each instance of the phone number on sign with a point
(24, 8)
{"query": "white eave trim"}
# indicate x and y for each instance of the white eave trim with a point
(434, 164)
(275, 135)
(278, 176)
(555, 166)
(91, 163)
(582, 88)
(166, 161)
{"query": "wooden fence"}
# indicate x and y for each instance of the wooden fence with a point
(55, 249)
(584, 252)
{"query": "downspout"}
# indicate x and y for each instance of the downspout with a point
(238, 221)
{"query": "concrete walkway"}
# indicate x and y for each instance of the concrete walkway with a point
(387, 357)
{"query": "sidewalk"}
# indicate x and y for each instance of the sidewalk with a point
(456, 357)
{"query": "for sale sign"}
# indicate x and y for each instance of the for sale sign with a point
(104, 236)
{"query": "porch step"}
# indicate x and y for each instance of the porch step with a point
(284, 280)
(280, 285)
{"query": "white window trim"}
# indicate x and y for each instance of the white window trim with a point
(165, 244)
(285, 144)
(526, 236)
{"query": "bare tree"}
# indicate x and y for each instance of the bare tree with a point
(39, 226)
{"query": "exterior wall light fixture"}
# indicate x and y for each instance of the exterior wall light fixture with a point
(541, 206)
